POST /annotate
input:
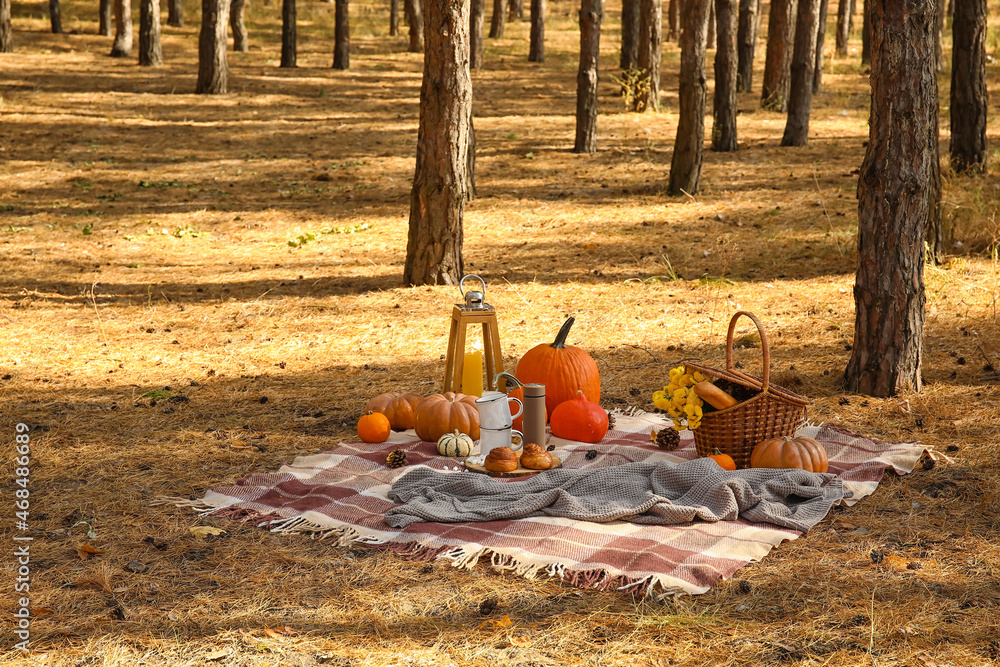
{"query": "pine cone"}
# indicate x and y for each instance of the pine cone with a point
(611, 421)
(396, 459)
(666, 438)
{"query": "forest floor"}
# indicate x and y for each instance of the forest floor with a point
(245, 252)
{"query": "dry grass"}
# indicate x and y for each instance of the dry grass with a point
(145, 245)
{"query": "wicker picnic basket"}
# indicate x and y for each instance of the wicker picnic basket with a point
(771, 411)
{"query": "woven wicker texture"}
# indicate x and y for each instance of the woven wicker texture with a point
(773, 411)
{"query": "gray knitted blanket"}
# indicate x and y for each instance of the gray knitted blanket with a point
(651, 493)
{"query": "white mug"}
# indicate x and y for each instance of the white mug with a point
(491, 438)
(494, 410)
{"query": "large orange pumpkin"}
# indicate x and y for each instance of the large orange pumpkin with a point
(563, 369)
(443, 413)
(790, 452)
(401, 408)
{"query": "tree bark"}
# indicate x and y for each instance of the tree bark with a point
(122, 46)
(591, 13)
(778, 61)
(803, 62)
(646, 95)
(342, 36)
(536, 46)
(844, 9)
(289, 34)
(104, 18)
(437, 200)
(175, 13)
(477, 21)
(712, 38)
(673, 19)
(237, 10)
(55, 17)
(893, 200)
(213, 70)
(630, 35)
(820, 45)
(726, 60)
(516, 10)
(393, 18)
(749, 25)
(942, 6)
(499, 19)
(866, 41)
(689, 147)
(968, 86)
(415, 17)
(6, 32)
(150, 48)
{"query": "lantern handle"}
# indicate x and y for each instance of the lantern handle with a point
(466, 277)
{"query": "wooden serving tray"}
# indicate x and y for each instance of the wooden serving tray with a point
(519, 471)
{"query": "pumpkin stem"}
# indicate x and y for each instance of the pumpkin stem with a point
(560, 341)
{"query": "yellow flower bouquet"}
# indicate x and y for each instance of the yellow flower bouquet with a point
(679, 401)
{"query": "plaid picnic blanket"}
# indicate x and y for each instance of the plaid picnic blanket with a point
(342, 494)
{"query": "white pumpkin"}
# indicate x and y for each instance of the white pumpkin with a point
(454, 444)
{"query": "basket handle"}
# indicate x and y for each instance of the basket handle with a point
(766, 373)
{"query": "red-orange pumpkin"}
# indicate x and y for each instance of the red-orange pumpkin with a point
(443, 413)
(563, 369)
(579, 419)
(790, 452)
(401, 409)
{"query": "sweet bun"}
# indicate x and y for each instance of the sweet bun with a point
(535, 457)
(714, 396)
(501, 459)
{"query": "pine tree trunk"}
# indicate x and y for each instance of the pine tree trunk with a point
(893, 201)
(6, 32)
(213, 70)
(630, 35)
(724, 104)
(415, 18)
(104, 18)
(820, 45)
(477, 22)
(536, 46)
(55, 17)
(844, 8)
(437, 200)
(778, 62)
(968, 86)
(749, 25)
(499, 19)
(591, 13)
(150, 49)
(516, 10)
(289, 35)
(646, 97)
(689, 147)
(803, 61)
(122, 46)
(941, 7)
(175, 13)
(866, 41)
(712, 38)
(934, 235)
(673, 19)
(393, 18)
(237, 9)
(341, 36)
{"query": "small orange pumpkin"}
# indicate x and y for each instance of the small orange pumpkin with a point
(563, 369)
(443, 413)
(399, 408)
(579, 419)
(725, 461)
(790, 452)
(374, 427)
